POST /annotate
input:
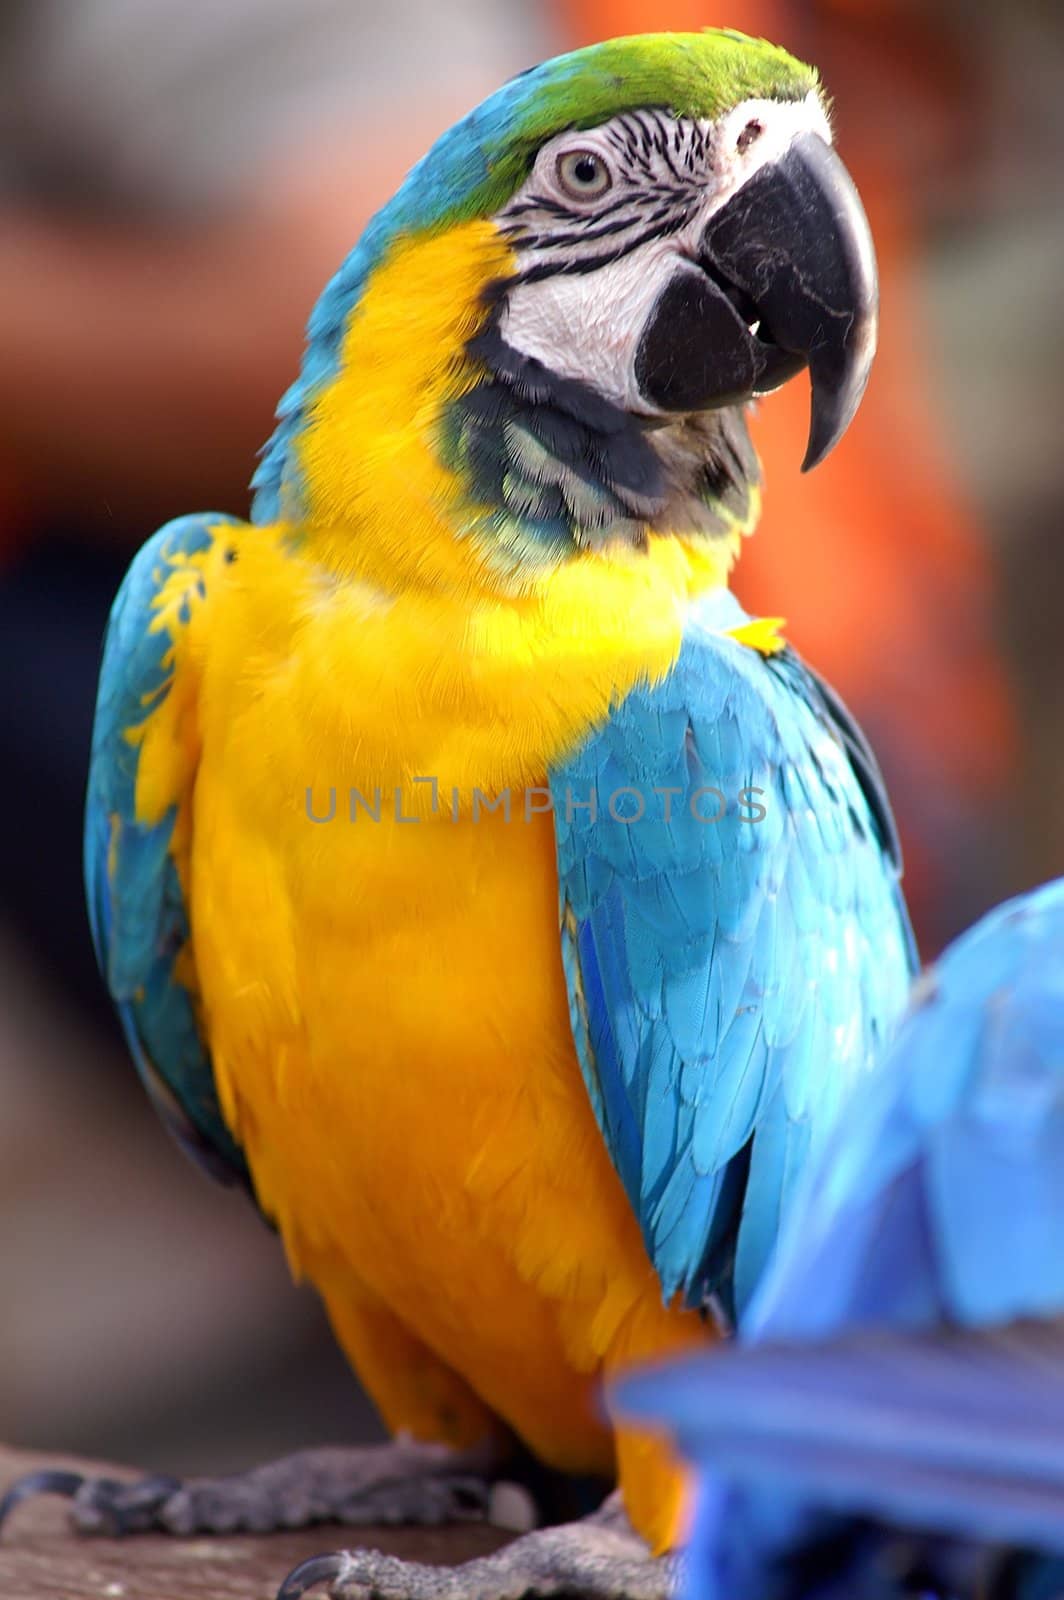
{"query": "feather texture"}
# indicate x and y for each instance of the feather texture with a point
(554, 1067)
(137, 902)
(475, 166)
(902, 1360)
(729, 979)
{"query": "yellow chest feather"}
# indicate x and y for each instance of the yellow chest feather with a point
(385, 997)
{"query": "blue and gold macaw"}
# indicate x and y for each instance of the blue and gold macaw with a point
(474, 879)
(891, 1421)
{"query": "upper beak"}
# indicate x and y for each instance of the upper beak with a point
(788, 279)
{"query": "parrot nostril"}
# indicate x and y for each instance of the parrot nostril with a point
(750, 133)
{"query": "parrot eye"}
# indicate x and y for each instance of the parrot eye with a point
(583, 175)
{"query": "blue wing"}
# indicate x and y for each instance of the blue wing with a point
(727, 979)
(903, 1358)
(940, 1198)
(137, 911)
(961, 1434)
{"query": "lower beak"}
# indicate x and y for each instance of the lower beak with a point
(785, 278)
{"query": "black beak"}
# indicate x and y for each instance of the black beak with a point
(786, 278)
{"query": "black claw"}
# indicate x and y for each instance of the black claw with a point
(308, 1574)
(130, 1507)
(121, 1507)
(45, 1482)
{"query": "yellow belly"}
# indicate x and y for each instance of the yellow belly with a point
(417, 1117)
(388, 1018)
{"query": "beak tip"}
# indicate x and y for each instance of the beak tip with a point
(824, 435)
(815, 450)
(837, 394)
(825, 431)
(827, 424)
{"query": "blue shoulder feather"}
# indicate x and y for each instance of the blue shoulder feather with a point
(728, 978)
(136, 907)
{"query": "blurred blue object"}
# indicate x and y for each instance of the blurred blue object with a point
(891, 1420)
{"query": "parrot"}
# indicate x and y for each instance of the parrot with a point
(890, 1419)
(478, 884)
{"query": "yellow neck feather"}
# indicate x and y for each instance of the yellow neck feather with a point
(375, 687)
(380, 504)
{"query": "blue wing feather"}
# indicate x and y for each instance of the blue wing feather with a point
(954, 1155)
(137, 913)
(903, 1358)
(728, 979)
(961, 1434)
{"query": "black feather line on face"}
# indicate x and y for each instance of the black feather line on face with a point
(569, 213)
(605, 231)
(658, 225)
(629, 145)
(568, 470)
(659, 171)
(667, 158)
(579, 425)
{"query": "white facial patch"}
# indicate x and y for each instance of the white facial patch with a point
(587, 324)
(737, 157)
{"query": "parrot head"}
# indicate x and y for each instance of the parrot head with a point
(585, 282)
(690, 240)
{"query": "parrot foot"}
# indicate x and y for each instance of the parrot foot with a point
(404, 1481)
(598, 1558)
